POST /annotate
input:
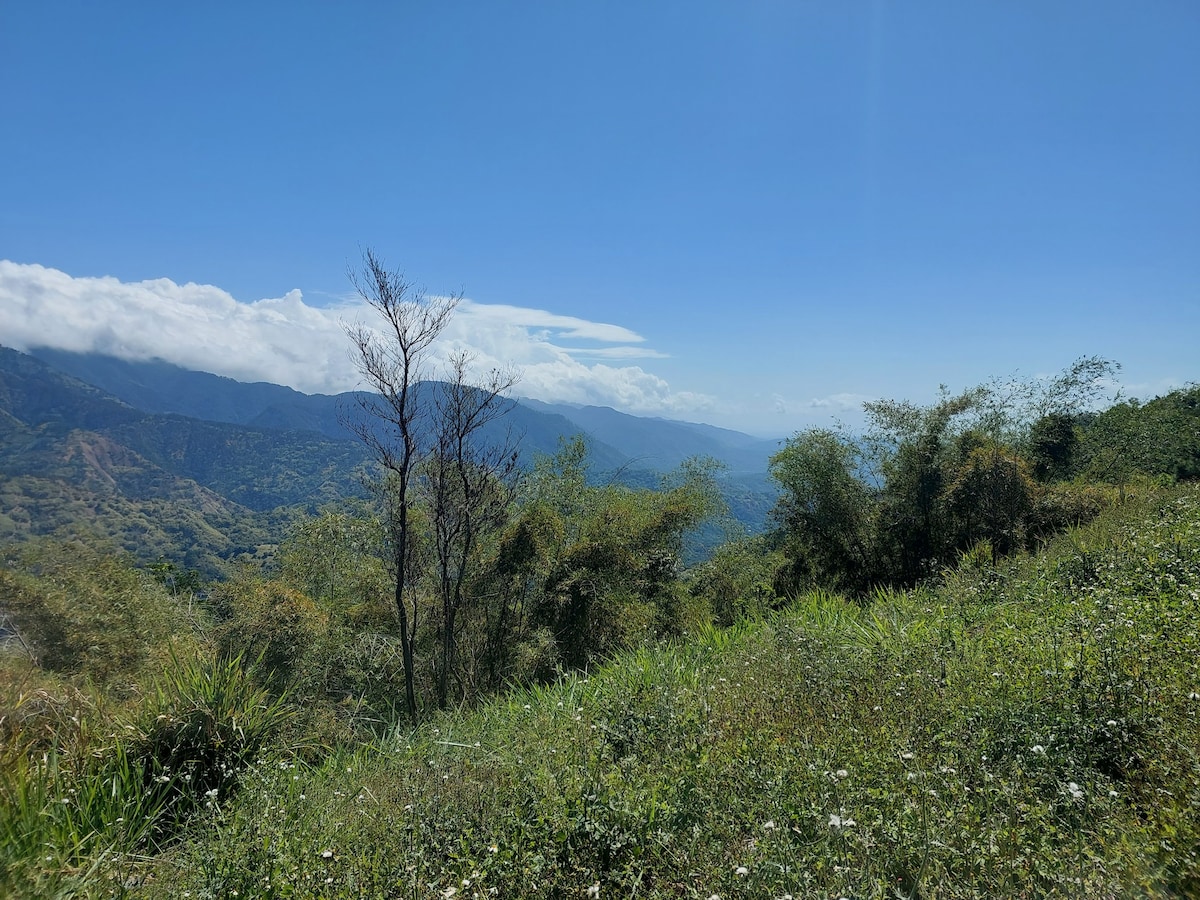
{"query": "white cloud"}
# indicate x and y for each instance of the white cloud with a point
(841, 403)
(287, 341)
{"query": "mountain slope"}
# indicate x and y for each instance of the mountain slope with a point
(618, 440)
(662, 444)
(160, 387)
(64, 438)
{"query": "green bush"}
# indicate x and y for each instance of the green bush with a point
(1068, 504)
(283, 631)
(82, 612)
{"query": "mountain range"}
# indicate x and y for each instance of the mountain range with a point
(201, 469)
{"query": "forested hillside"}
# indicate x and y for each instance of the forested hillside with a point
(963, 661)
(204, 471)
(1028, 729)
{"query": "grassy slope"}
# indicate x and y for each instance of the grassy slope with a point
(1033, 732)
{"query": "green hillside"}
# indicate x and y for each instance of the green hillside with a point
(1025, 731)
(963, 662)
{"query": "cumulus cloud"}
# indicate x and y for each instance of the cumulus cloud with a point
(287, 341)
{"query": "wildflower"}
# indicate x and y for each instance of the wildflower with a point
(1038, 749)
(837, 821)
(842, 773)
(326, 854)
(1075, 790)
(593, 890)
(741, 870)
(493, 849)
(769, 826)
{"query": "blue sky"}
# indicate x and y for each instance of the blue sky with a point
(777, 208)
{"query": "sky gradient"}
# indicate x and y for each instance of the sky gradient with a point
(752, 214)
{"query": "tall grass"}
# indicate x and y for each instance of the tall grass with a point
(1029, 730)
(110, 792)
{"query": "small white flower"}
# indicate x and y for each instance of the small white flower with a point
(769, 826)
(1038, 749)
(326, 854)
(842, 773)
(1075, 790)
(741, 870)
(593, 891)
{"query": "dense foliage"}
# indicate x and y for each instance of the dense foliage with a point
(933, 678)
(1022, 730)
(989, 472)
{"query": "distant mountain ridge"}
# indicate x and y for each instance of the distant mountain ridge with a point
(617, 439)
(206, 469)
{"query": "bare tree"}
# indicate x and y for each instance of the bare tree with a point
(468, 487)
(396, 424)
